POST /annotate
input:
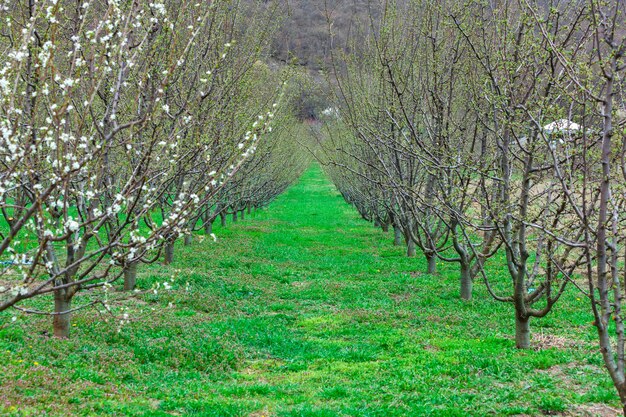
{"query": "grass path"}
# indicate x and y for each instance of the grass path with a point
(304, 310)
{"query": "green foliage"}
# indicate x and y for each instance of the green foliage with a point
(303, 310)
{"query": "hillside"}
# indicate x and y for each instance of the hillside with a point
(305, 38)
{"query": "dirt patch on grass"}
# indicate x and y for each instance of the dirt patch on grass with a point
(133, 301)
(592, 410)
(435, 319)
(262, 413)
(542, 341)
(431, 348)
(257, 367)
(257, 228)
(564, 374)
(402, 297)
(362, 316)
(582, 410)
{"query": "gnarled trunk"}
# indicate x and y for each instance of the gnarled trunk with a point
(188, 239)
(242, 215)
(235, 216)
(223, 219)
(208, 227)
(385, 227)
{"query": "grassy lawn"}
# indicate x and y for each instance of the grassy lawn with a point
(305, 310)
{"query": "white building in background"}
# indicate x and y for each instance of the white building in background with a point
(563, 126)
(331, 112)
(556, 132)
(560, 128)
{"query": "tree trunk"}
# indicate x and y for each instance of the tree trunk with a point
(169, 253)
(377, 223)
(522, 332)
(431, 259)
(242, 215)
(188, 239)
(223, 219)
(249, 208)
(61, 322)
(466, 282)
(397, 236)
(208, 227)
(130, 276)
(235, 216)
(385, 227)
(410, 248)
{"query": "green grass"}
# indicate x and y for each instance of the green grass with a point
(304, 310)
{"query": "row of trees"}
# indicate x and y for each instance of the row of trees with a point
(125, 125)
(494, 133)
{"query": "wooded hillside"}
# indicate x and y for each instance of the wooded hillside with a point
(304, 37)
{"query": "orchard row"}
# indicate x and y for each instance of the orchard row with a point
(126, 125)
(493, 135)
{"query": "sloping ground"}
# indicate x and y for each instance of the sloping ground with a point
(304, 310)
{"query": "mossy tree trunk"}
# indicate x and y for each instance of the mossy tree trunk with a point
(62, 314)
(397, 236)
(130, 276)
(522, 332)
(169, 253)
(467, 282)
(410, 248)
(431, 260)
